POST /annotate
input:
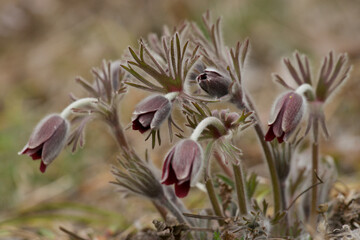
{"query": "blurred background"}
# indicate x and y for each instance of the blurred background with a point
(44, 45)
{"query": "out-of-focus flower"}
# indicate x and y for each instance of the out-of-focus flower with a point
(182, 165)
(286, 116)
(47, 140)
(228, 118)
(150, 113)
(214, 83)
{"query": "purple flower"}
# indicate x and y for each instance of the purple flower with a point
(212, 82)
(182, 165)
(47, 140)
(150, 113)
(286, 116)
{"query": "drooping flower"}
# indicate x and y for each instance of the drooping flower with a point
(182, 165)
(150, 113)
(285, 116)
(214, 83)
(47, 140)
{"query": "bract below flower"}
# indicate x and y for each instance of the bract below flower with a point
(286, 116)
(47, 140)
(182, 165)
(150, 113)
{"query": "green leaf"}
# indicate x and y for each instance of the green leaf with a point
(226, 180)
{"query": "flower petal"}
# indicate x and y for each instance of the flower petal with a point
(293, 112)
(277, 130)
(168, 175)
(182, 190)
(270, 134)
(145, 119)
(53, 146)
(184, 156)
(149, 104)
(277, 106)
(160, 115)
(42, 167)
(44, 130)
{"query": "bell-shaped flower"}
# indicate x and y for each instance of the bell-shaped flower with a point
(286, 115)
(150, 113)
(213, 83)
(47, 140)
(182, 166)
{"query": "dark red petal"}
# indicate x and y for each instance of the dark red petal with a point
(36, 155)
(136, 125)
(270, 134)
(33, 153)
(171, 177)
(182, 190)
(42, 167)
(167, 168)
(281, 138)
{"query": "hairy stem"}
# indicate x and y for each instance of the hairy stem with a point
(173, 209)
(78, 104)
(214, 201)
(119, 133)
(213, 121)
(223, 166)
(268, 156)
(315, 163)
(240, 189)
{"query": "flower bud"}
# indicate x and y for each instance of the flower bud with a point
(47, 140)
(228, 118)
(286, 116)
(150, 113)
(182, 166)
(214, 83)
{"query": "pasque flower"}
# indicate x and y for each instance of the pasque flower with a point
(214, 83)
(150, 113)
(47, 140)
(182, 166)
(286, 116)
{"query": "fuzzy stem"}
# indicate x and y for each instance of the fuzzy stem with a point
(315, 163)
(119, 132)
(307, 91)
(221, 163)
(173, 209)
(268, 156)
(240, 188)
(214, 201)
(77, 104)
(204, 124)
(205, 166)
